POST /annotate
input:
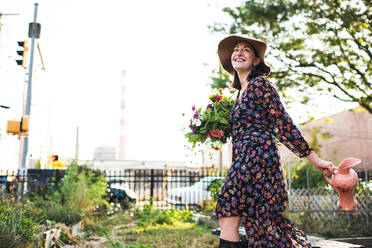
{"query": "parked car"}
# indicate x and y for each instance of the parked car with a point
(192, 195)
(121, 193)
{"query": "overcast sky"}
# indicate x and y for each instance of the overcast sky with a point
(164, 46)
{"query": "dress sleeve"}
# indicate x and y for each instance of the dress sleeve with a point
(278, 119)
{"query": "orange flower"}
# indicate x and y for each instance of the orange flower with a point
(220, 90)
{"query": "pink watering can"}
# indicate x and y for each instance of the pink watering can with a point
(344, 181)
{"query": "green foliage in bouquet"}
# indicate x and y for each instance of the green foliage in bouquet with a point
(211, 124)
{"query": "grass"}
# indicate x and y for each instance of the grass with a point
(18, 224)
(127, 229)
(170, 236)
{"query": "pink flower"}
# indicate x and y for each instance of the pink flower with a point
(196, 114)
(218, 133)
(193, 108)
(209, 106)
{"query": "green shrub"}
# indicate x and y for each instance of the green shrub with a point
(151, 216)
(17, 225)
(94, 228)
(81, 193)
(55, 212)
(335, 225)
(215, 188)
(82, 189)
(208, 207)
(300, 173)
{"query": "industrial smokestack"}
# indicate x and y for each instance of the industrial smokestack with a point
(122, 118)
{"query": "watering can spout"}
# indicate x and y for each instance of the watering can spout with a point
(348, 163)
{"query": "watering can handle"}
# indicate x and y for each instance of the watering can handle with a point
(326, 177)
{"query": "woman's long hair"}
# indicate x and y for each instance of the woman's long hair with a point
(257, 70)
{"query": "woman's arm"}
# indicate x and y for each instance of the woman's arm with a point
(326, 167)
(283, 126)
(276, 117)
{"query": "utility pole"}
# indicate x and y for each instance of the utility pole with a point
(33, 33)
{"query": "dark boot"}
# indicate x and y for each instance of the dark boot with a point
(244, 243)
(230, 244)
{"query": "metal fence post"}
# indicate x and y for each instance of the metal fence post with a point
(289, 189)
(366, 192)
(308, 189)
(152, 186)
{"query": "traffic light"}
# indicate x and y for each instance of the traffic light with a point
(13, 127)
(18, 127)
(24, 123)
(24, 53)
(54, 158)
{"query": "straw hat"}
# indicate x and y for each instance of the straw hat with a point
(226, 46)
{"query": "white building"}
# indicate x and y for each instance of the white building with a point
(104, 153)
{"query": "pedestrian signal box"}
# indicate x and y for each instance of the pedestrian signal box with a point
(13, 127)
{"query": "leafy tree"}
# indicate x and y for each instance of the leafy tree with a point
(324, 45)
(220, 79)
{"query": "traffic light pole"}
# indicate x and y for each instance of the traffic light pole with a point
(27, 108)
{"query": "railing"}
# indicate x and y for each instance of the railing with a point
(181, 188)
(163, 188)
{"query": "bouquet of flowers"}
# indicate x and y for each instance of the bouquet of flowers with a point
(211, 125)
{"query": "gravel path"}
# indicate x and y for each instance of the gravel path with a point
(317, 242)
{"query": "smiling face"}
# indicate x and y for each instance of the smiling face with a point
(243, 57)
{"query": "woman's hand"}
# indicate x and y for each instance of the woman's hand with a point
(324, 166)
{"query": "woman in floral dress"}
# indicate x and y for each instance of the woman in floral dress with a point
(254, 193)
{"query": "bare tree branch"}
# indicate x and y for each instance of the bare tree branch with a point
(319, 68)
(354, 83)
(344, 100)
(363, 48)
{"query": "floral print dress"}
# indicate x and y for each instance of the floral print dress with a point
(255, 187)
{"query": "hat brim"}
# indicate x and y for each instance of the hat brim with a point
(226, 46)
